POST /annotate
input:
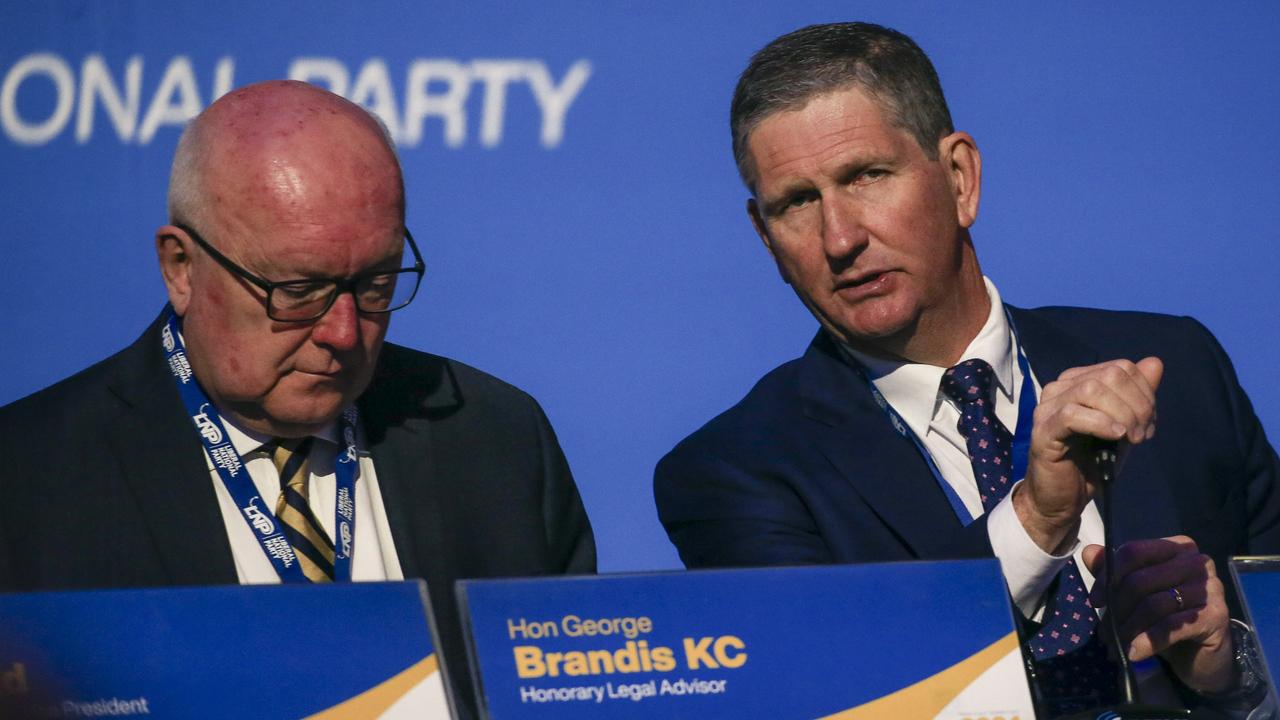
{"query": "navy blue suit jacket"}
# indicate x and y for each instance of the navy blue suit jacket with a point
(807, 469)
(105, 484)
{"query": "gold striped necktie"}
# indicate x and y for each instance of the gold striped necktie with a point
(310, 542)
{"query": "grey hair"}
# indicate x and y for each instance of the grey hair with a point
(801, 65)
(186, 176)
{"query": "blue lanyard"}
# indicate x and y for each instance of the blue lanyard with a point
(227, 462)
(1021, 435)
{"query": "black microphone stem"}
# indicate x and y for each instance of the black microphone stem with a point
(1105, 457)
(1104, 454)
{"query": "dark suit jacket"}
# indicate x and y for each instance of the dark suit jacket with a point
(807, 469)
(104, 484)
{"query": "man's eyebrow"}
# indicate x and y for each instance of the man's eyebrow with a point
(857, 165)
(774, 201)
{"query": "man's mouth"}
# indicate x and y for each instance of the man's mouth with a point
(864, 282)
(334, 371)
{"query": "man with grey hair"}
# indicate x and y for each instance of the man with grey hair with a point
(285, 253)
(928, 419)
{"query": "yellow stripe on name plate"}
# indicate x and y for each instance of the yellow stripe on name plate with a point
(381, 697)
(936, 696)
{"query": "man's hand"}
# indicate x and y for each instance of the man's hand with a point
(1114, 400)
(1189, 628)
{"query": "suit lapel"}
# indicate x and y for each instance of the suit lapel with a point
(882, 465)
(159, 455)
(394, 460)
(396, 412)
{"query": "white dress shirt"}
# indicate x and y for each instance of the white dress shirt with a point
(375, 551)
(914, 391)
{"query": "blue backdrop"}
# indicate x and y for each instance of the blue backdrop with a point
(570, 180)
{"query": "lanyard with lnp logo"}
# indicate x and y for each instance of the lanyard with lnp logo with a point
(1021, 436)
(226, 461)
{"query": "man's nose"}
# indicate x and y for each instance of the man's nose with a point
(843, 233)
(339, 327)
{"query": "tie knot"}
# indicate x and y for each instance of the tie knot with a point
(289, 454)
(969, 382)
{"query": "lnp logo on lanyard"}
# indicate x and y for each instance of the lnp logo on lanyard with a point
(208, 429)
(259, 519)
(166, 339)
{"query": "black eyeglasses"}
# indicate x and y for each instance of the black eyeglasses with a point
(376, 291)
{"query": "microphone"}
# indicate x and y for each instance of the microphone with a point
(1104, 458)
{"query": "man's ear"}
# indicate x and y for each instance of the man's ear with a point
(963, 164)
(173, 249)
(757, 222)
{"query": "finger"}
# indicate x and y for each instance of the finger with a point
(1118, 372)
(1152, 368)
(1119, 388)
(1136, 555)
(1075, 372)
(1154, 609)
(1095, 559)
(1094, 556)
(1060, 424)
(1174, 629)
(1145, 598)
(1140, 373)
(1180, 572)
(1123, 396)
(1118, 419)
(1205, 626)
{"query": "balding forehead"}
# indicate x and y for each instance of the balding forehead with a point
(293, 154)
(281, 145)
(262, 128)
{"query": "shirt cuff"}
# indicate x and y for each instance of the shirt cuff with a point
(1028, 570)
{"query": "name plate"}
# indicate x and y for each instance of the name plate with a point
(1258, 579)
(919, 640)
(348, 650)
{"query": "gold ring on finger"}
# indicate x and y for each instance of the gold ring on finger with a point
(1177, 597)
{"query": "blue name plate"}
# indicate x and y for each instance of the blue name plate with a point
(920, 640)
(349, 650)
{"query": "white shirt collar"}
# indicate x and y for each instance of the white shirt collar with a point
(246, 441)
(912, 388)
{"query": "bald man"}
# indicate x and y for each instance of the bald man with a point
(284, 256)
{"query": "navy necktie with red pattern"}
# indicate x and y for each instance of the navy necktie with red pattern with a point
(1072, 670)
